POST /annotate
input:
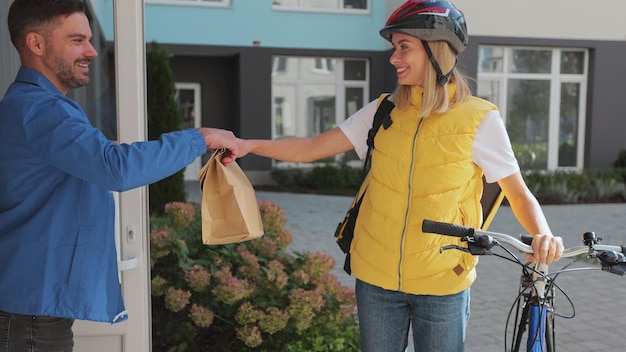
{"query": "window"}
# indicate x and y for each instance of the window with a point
(312, 95)
(541, 93)
(187, 96)
(215, 3)
(323, 5)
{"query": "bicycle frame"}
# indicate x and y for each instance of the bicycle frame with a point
(537, 329)
(536, 314)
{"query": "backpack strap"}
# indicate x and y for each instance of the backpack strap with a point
(490, 202)
(382, 117)
(345, 230)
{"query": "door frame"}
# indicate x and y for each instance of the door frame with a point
(132, 222)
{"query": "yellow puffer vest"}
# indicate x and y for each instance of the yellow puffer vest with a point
(421, 169)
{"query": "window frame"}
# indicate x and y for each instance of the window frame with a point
(199, 3)
(556, 79)
(192, 169)
(297, 84)
(340, 9)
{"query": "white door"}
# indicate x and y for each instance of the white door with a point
(135, 334)
(189, 104)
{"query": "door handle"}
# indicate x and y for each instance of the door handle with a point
(123, 265)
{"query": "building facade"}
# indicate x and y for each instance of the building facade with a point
(273, 69)
(557, 73)
(297, 67)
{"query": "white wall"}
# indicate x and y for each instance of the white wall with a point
(554, 19)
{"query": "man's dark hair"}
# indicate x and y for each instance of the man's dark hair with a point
(37, 16)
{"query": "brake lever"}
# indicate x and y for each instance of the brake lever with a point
(619, 269)
(612, 262)
(476, 249)
(472, 248)
(453, 246)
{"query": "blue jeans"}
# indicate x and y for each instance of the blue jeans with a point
(27, 333)
(438, 322)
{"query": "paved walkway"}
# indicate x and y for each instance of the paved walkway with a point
(599, 298)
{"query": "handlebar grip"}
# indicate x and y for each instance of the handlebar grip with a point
(526, 238)
(444, 228)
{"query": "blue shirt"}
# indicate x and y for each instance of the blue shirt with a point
(57, 171)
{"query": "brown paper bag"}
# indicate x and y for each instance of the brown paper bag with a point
(230, 211)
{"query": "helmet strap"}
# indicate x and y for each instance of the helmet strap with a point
(441, 78)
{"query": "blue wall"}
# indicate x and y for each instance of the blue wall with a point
(253, 20)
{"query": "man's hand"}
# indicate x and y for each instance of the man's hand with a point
(216, 138)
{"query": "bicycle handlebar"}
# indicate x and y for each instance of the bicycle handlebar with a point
(537, 286)
(485, 240)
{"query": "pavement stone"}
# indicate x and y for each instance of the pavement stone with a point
(598, 297)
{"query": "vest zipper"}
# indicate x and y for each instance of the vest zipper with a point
(408, 203)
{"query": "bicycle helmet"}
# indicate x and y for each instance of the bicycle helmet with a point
(429, 20)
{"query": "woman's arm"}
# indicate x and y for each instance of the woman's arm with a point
(298, 149)
(527, 210)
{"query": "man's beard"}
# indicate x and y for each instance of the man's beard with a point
(66, 71)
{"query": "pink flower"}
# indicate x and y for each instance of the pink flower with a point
(159, 240)
(250, 335)
(344, 295)
(276, 273)
(176, 300)
(230, 289)
(273, 223)
(201, 316)
(265, 247)
(272, 213)
(251, 267)
(198, 278)
(301, 276)
(159, 237)
(303, 306)
(158, 285)
(247, 314)
(180, 213)
(317, 265)
(285, 237)
(274, 320)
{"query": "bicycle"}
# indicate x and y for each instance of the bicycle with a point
(534, 304)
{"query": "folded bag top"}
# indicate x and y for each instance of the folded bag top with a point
(230, 210)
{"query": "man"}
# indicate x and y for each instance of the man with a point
(58, 259)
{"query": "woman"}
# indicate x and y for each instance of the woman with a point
(427, 165)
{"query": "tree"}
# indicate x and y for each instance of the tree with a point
(163, 116)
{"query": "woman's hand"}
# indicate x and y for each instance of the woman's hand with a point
(546, 249)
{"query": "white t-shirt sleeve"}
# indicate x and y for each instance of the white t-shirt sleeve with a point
(492, 150)
(357, 126)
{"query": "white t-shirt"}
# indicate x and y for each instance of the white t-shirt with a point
(491, 150)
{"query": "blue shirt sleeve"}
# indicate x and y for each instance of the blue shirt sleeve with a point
(59, 132)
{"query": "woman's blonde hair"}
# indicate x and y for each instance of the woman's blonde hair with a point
(435, 98)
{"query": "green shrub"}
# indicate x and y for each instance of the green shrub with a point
(605, 187)
(573, 187)
(550, 187)
(292, 179)
(327, 179)
(163, 116)
(621, 160)
(249, 296)
(352, 177)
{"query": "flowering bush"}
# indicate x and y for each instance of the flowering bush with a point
(249, 296)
